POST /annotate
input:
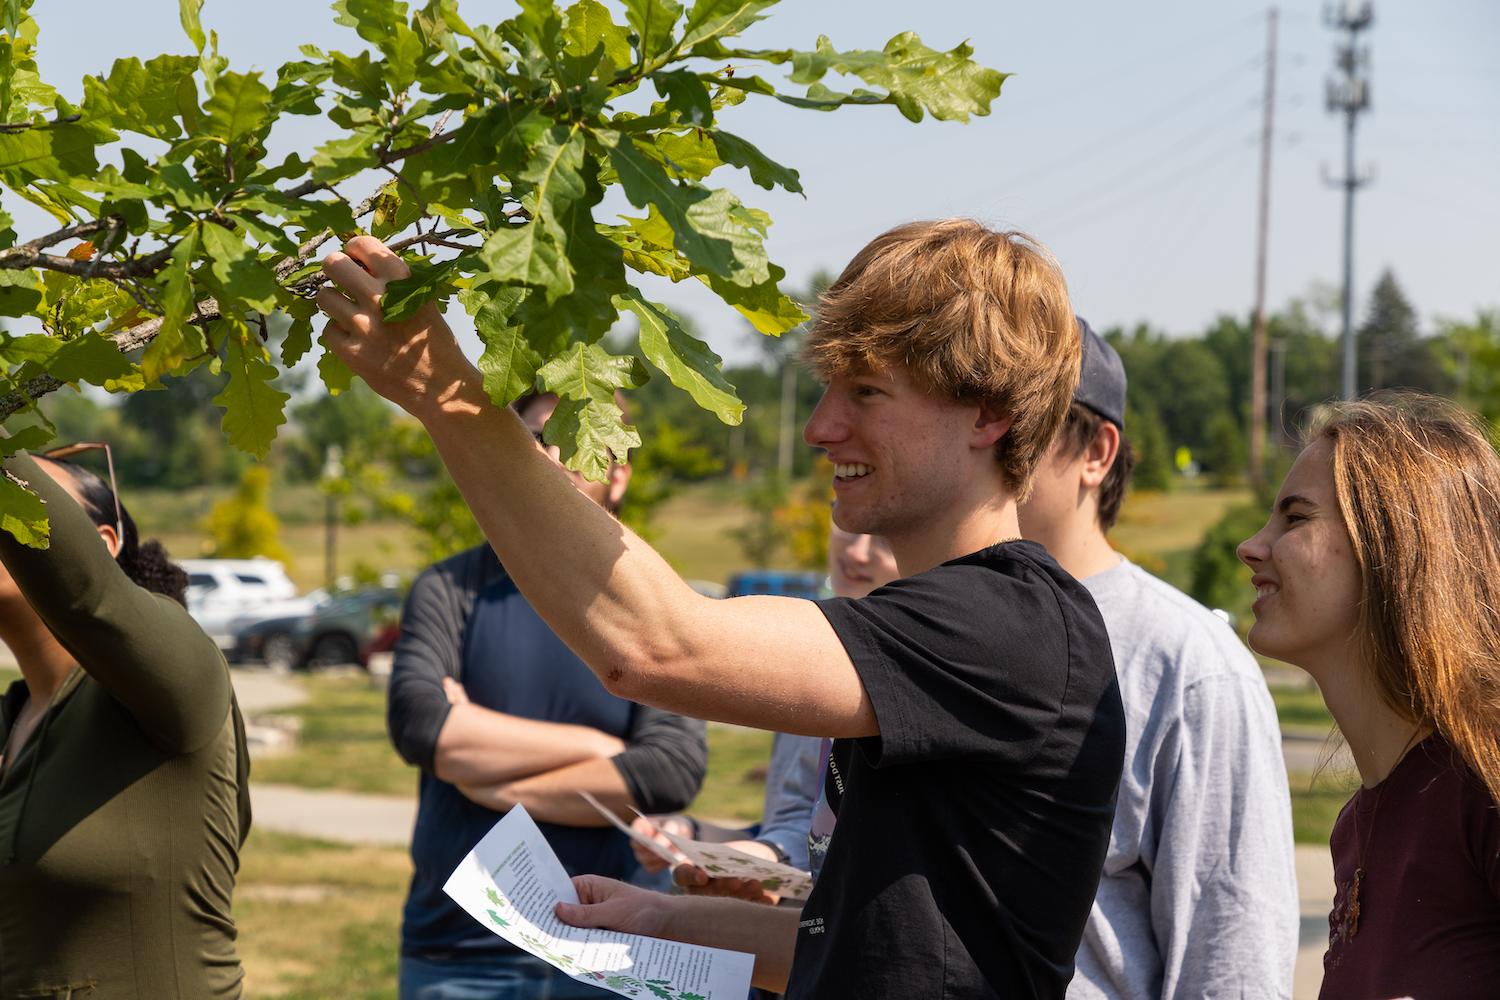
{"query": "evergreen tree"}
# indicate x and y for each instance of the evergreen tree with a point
(1392, 352)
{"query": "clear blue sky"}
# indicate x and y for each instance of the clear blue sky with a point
(1127, 141)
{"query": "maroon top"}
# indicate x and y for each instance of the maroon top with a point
(1429, 902)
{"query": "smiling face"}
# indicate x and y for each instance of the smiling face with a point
(1307, 580)
(901, 455)
(858, 564)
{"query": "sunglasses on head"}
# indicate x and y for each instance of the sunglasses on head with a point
(66, 451)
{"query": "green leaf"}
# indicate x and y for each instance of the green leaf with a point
(91, 358)
(764, 305)
(140, 97)
(252, 408)
(763, 170)
(652, 21)
(298, 340)
(587, 427)
(684, 359)
(536, 253)
(187, 11)
(59, 153)
(428, 282)
(589, 28)
(176, 341)
(383, 23)
(239, 274)
(28, 438)
(240, 106)
(712, 229)
(710, 20)
(692, 154)
(948, 85)
(22, 513)
(509, 363)
(686, 94)
(347, 155)
(332, 370)
(20, 292)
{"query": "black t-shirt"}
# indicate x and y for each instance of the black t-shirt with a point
(972, 830)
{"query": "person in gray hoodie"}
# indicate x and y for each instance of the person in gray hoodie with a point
(1199, 894)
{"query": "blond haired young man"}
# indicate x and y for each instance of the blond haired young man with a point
(978, 723)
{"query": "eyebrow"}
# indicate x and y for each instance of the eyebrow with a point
(1288, 501)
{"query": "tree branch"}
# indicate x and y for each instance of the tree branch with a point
(127, 340)
(134, 268)
(36, 246)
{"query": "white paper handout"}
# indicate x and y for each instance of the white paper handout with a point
(666, 854)
(719, 860)
(512, 881)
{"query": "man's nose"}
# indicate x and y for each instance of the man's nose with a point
(826, 424)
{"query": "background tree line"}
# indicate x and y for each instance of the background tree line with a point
(1186, 393)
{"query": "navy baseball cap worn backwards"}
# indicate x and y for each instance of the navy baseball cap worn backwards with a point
(1101, 386)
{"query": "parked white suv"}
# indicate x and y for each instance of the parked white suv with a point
(221, 590)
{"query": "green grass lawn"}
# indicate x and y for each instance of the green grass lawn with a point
(1301, 708)
(319, 921)
(343, 742)
(1316, 801)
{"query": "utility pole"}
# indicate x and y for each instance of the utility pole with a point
(1258, 336)
(788, 419)
(1350, 94)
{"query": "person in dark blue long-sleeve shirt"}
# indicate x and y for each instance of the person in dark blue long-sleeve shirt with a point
(497, 711)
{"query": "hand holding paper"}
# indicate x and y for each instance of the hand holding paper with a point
(513, 883)
(719, 860)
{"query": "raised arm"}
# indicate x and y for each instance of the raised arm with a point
(143, 648)
(772, 663)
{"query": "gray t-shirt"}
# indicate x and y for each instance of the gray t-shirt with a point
(1199, 894)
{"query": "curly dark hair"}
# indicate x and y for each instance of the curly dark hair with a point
(147, 564)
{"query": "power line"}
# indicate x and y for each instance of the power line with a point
(1133, 197)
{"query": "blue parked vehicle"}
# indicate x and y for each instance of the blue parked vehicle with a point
(778, 583)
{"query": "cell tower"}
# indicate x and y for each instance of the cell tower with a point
(1349, 93)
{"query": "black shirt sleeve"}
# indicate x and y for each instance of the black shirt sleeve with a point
(960, 661)
(664, 761)
(427, 651)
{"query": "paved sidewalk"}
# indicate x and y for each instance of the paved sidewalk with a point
(344, 817)
(1315, 890)
(261, 691)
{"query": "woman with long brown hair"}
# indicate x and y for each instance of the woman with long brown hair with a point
(1379, 574)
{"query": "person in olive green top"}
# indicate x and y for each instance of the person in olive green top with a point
(124, 776)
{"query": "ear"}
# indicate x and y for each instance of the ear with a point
(619, 478)
(1100, 455)
(111, 540)
(990, 425)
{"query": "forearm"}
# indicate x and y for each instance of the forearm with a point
(552, 797)
(767, 932)
(481, 747)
